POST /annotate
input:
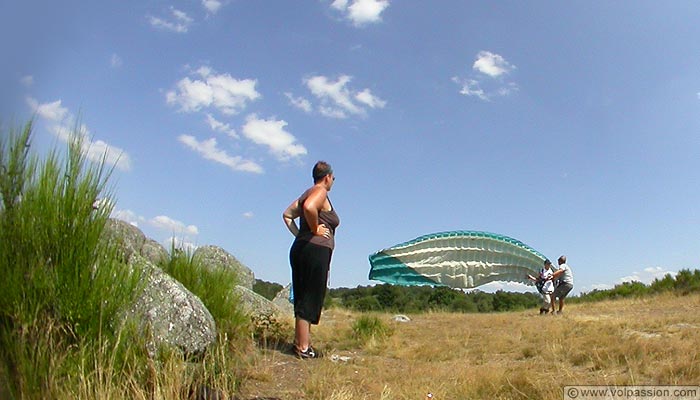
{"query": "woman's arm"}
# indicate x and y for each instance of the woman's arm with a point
(312, 205)
(289, 215)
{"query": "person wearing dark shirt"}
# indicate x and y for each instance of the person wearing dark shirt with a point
(310, 254)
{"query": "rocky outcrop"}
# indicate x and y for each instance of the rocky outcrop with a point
(170, 315)
(281, 300)
(131, 241)
(255, 304)
(216, 257)
(154, 252)
(165, 312)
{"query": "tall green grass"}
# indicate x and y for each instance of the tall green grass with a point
(370, 328)
(64, 288)
(61, 283)
(214, 286)
(51, 252)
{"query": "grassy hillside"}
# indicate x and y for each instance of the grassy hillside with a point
(63, 288)
(652, 340)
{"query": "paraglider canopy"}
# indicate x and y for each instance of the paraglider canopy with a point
(457, 259)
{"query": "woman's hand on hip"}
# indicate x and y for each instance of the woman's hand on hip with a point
(322, 230)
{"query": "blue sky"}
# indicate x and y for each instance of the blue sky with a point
(571, 126)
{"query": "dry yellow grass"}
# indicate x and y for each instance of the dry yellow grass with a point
(495, 356)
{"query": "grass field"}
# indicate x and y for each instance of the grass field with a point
(63, 289)
(518, 355)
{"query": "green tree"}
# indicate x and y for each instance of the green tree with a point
(266, 289)
(483, 301)
(442, 297)
(463, 304)
(663, 285)
(367, 303)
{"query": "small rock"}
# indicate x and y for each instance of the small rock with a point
(335, 358)
(401, 318)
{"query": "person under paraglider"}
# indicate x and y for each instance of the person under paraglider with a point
(545, 286)
(566, 282)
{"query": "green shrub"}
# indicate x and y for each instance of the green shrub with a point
(268, 330)
(370, 327)
(266, 289)
(215, 287)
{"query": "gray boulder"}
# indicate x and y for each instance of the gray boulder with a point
(170, 315)
(281, 300)
(131, 241)
(401, 318)
(216, 257)
(255, 304)
(154, 252)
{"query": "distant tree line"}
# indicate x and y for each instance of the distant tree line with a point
(415, 299)
(266, 289)
(683, 283)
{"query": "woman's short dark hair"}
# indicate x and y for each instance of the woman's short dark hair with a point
(321, 169)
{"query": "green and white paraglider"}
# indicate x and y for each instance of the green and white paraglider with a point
(457, 259)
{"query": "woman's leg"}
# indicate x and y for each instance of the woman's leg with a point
(302, 334)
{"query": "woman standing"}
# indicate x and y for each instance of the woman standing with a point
(310, 255)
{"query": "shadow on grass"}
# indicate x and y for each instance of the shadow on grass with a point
(280, 346)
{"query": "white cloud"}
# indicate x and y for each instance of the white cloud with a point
(210, 151)
(271, 133)
(223, 92)
(180, 243)
(212, 6)
(492, 64)
(62, 124)
(361, 12)
(299, 102)
(115, 61)
(128, 216)
(179, 233)
(248, 214)
(332, 112)
(487, 79)
(369, 99)
(493, 287)
(219, 126)
(53, 112)
(27, 80)
(647, 275)
(98, 149)
(334, 92)
(178, 22)
(171, 225)
(337, 100)
(340, 5)
(470, 87)
(508, 89)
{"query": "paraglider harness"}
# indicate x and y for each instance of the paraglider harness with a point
(539, 282)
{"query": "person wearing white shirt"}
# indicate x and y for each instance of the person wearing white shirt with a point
(566, 282)
(547, 288)
(545, 285)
